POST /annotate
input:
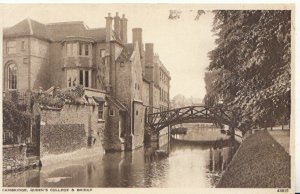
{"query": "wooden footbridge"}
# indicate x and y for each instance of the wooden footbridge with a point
(189, 114)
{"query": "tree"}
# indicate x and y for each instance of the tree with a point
(211, 97)
(252, 58)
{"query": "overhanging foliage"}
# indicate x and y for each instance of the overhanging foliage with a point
(252, 62)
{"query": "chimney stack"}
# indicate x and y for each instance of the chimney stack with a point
(124, 29)
(137, 37)
(149, 54)
(108, 27)
(117, 25)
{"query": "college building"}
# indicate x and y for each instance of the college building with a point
(125, 80)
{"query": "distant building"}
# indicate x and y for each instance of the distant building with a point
(123, 78)
(159, 78)
(181, 101)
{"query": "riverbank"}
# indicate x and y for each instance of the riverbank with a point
(260, 162)
(282, 137)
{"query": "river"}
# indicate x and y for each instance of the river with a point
(191, 163)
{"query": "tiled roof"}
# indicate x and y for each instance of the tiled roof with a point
(126, 53)
(54, 31)
(26, 27)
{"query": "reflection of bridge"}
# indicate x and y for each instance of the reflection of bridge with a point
(189, 114)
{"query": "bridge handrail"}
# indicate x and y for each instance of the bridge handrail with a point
(184, 107)
(158, 120)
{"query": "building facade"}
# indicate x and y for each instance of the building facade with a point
(67, 54)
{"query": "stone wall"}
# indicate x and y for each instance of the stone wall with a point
(163, 137)
(20, 58)
(14, 157)
(32, 63)
(71, 128)
(58, 76)
(133, 92)
(112, 131)
(138, 125)
(99, 61)
(146, 92)
(156, 98)
(62, 138)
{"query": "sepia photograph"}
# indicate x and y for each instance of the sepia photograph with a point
(190, 96)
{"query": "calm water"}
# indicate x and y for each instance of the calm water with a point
(189, 164)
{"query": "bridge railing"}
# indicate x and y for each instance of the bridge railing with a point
(162, 119)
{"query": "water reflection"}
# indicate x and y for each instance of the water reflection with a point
(189, 164)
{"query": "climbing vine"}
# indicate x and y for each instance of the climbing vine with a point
(15, 120)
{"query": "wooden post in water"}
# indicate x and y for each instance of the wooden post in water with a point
(168, 139)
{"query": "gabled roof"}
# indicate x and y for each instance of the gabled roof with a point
(126, 53)
(54, 31)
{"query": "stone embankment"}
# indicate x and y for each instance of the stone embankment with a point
(15, 159)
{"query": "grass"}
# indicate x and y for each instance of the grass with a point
(259, 163)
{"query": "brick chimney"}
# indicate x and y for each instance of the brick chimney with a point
(117, 26)
(149, 54)
(137, 36)
(124, 29)
(108, 27)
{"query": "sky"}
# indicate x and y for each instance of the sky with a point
(182, 44)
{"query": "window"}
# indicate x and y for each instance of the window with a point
(7, 137)
(11, 47)
(69, 49)
(159, 93)
(72, 77)
(100, 111)
(86, 49)
(72, 49)
(83, 49)
(102, 53)
(86, 82)
(12, 76)
(23, 45)
(136, 112)
(81, 77)
(80, 49)
(111, 112)
(84, 78)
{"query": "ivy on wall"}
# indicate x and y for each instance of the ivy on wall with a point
(15, 120)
